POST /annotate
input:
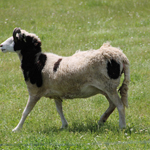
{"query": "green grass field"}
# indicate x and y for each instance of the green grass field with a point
(65, 26)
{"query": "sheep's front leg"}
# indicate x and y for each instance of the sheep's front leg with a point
(58, 103)
(30, 104)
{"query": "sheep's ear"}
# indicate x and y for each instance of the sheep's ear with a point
(19, 36)
(24, 37)
(16, 33)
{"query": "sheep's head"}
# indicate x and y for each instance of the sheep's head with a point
(21, 41)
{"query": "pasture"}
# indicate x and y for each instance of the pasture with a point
(64, 27)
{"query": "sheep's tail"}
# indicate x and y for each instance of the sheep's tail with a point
(124, 87)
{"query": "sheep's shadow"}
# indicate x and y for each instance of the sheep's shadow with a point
(85, 127)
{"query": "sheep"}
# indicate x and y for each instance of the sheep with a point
(84, 74)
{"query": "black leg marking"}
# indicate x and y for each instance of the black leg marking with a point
(113, 69)
(56, 65)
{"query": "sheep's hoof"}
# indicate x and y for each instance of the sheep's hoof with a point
(122, 125)
(121, 128)
(16, 130)
(64, 126)
(101, 122)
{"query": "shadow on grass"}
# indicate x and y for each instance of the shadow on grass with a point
(92, 127)
(89, 126)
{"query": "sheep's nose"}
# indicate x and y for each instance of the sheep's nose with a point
(1, 45)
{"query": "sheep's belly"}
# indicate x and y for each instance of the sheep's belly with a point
(83, 93)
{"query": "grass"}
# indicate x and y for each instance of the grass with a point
(65, 26)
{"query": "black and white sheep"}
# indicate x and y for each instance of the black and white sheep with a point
(84, 74)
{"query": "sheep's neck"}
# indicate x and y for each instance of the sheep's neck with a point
(32, 65)
(19, 55)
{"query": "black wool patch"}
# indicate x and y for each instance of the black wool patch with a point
(56, 65)
(32, 68)
(35, 74)
(113, 69)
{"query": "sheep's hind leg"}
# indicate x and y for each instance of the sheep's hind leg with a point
(58, 103)
(114, 97)
(31, 103)
(107, 113)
